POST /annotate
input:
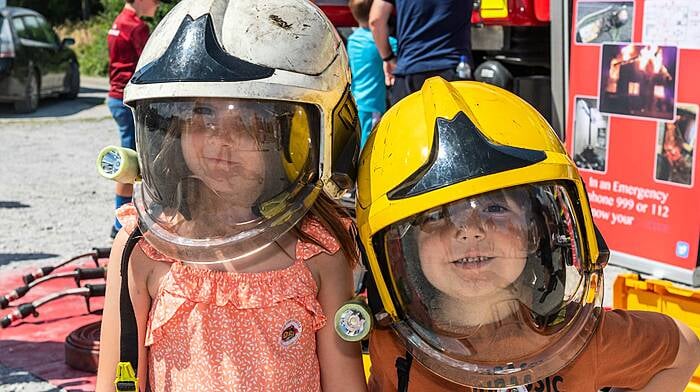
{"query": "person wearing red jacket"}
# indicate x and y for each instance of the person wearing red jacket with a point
(125, 41)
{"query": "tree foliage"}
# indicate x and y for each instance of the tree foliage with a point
(59, 11)
(91, 35)
(62, 11)
(112, 7)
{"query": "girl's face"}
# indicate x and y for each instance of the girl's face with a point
(220, 147)
(474, 247)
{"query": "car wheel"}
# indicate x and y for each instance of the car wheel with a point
(31, 96)
(72, 82)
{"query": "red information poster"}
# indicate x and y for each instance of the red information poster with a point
(634, 94)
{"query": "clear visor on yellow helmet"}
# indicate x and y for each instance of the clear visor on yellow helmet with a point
(492, 287)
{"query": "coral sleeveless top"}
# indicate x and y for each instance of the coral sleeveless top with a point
(226, 331)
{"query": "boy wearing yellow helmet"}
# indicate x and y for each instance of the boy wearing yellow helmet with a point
(482, 248)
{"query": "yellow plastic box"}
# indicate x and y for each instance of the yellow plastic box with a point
(634, 293)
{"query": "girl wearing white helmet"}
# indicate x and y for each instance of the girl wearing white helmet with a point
(233, 254)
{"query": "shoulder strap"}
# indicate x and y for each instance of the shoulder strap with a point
(403, 368)
(368, 283)
(128, 340)
(403, 364)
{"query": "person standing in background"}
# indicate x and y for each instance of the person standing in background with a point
(125, 41)
(368, 85)
(433, 38)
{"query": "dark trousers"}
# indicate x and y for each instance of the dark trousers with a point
(404, 85)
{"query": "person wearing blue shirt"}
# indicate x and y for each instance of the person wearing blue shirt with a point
(368, 87)
(433, 35)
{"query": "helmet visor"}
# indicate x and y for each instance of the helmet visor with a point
(223, 177)
(492, 285)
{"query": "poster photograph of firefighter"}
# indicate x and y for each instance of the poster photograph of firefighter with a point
(590, 135)
(638, 80)
(604, 21)
(675, 146)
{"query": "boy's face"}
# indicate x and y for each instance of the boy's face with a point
(476, 246)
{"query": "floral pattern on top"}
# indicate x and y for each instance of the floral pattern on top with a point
(226, 331)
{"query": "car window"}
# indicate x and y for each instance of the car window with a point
(19, 28)
(6, 49)
(32, 29)
(50, 35)
(35, 30)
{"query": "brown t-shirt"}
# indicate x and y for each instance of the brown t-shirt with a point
(627, 350)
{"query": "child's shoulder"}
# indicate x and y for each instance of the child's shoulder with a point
(319, 249)
(621, 322)
(632, 346)
(129, 218)
(627, 328)
(320, 239)
(319, 245)
(361, 35)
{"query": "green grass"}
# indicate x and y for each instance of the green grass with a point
(92, 53)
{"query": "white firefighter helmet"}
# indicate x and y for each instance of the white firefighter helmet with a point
(243, 115)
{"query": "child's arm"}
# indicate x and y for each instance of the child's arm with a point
(141, 300)
(340, 361)
(676, 377)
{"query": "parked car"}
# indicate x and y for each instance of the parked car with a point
(34, 62)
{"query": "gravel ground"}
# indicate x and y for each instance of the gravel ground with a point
(52, 202)
(13, 380)
(53, 205)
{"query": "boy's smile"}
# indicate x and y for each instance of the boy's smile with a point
(470, 263)
(474, 247)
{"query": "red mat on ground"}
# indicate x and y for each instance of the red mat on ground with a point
(36, 345)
